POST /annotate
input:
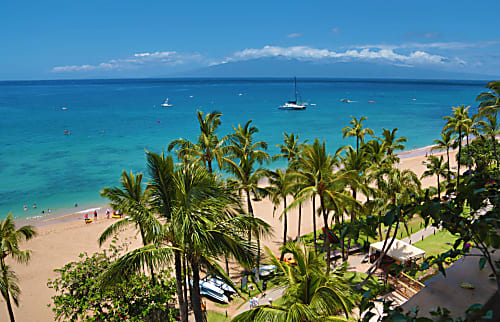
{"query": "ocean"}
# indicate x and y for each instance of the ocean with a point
(110, 124)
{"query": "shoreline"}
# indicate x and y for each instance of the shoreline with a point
(62, 238)
(77, 213)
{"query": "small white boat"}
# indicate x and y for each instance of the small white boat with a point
(210, 290)
(220, 284)
(166, 104)
(295, 104)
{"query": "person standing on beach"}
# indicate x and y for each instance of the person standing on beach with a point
(95, 214)
(107, 213)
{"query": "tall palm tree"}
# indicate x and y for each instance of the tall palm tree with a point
(208, 147)
(244, 154)
(356, 130)
(391, 141)
(280, 186)
(133, 200)
(317, 177)
(10, 237)
(436, 167)
(456, 123)
(491, 129)
(203, 221)
(310, 294)
(490, 101)
(355, 164)
(447, 141)
(290, 150)
(202, 205)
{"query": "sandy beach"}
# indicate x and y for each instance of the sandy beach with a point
(61, 240)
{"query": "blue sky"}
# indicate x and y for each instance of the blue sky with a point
(85, 39)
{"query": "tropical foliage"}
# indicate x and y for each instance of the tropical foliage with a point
(10, 237)
(80, 296)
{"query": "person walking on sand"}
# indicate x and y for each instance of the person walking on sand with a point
(95, 214)
(107, 213)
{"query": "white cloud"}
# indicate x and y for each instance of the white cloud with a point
(138, 60)
(365, 54)
(295, 35)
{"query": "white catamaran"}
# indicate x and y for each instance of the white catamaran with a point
(294, 105)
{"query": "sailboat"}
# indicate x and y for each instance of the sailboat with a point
(165, 104)
(294, 105)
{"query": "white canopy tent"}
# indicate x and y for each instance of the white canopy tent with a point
(399, 250)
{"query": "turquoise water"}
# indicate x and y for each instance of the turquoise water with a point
(112, 122)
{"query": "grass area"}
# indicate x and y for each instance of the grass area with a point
(436, 244)
(213, 316)
(415, 224)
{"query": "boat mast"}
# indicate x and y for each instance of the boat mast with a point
(295, 80)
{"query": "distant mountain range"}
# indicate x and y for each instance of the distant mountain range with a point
(284, 67)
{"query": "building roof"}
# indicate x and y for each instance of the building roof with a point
(400, 250)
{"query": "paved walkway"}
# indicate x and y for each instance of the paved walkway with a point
(272, 294)
(419, 235)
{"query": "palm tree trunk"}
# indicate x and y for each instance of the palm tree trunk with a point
(439, 188)
(459, 156)
(196, 296)
(151, 268)
(227, 265)
(342, 244)
(468, 155)
(300, 220)
(179, 282)
(448, 155)
(495, 148)
(186, 284)
(327, 239)
(379, 225)
(353, 222)
(285, 228)
(250, 211)
(314, 224)
(7, 286)
(209, 164)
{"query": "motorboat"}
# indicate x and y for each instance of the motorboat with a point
(220, 284)
(210, 290)
(166, 104)
(295, 104)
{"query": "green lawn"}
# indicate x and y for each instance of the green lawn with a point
(213, 316)
(415, 224)
(436, 244)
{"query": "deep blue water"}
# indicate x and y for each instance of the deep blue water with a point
(112, 122)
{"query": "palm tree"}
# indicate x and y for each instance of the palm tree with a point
(490, 101)
(133, 201)
(280, 186)
(208, 148)
(310, 294)
(317, 178)
(491, 129)
(356, 130)
(456, 123)
(447, 142)
(203, 206)
(243, 154)
(203, 221)
(290, 150)
(10, 237)
(436, 166)
(355, 164)
(392, 142)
